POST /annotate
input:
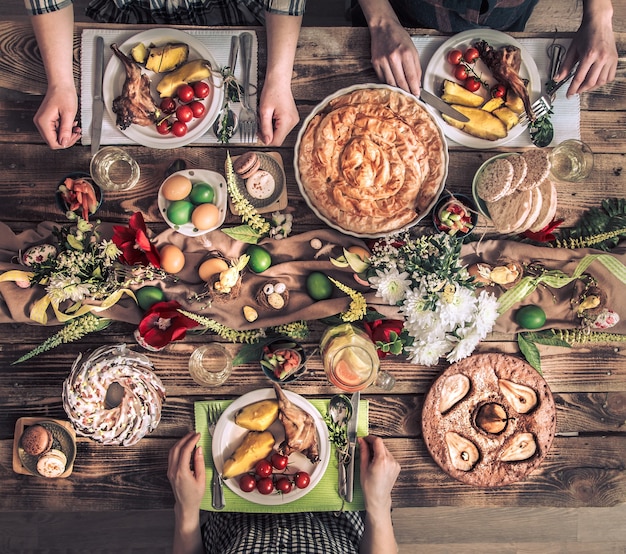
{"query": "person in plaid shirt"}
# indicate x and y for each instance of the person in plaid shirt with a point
(53, 23)
(295, 533)
(397, 62)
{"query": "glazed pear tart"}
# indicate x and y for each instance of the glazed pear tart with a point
(371, 160)
(489, 420)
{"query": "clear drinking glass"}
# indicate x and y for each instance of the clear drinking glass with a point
(112, 168)
(350, 359)
(210, 365)
(571, 160)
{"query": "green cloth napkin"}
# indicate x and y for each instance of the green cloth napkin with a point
(323, 498)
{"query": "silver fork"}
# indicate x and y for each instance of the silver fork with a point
(543, 105)
(247, 117)
(217, 490)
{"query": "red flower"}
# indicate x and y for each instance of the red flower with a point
(134, 243)
(380, 330)
(162, 324)
(545, 235)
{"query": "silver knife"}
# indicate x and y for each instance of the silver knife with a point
(440, 105)
(98, 101)
(352, 427)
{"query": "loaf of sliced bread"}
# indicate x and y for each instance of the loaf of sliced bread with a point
(511, 211)
(494, 182)
(536, 201)
(538, 171)
(520, 168)
(548, 206)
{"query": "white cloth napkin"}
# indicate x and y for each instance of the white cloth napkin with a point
(566, 116)
(217, 42)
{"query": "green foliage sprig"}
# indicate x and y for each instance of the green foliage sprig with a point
(223, 331)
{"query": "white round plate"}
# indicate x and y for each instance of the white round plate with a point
(228, 436)
(114, 77)
(439, 69)
(319, 108)
(214, 179)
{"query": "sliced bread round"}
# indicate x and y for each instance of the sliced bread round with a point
(536, 202)
(538, 164)
(494, 182)
(509, 212)
(548, 206)
(520, 168)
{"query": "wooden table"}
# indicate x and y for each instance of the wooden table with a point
(586, 464)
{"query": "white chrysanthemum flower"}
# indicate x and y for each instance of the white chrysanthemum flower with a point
(466, 345)
(61, 289)
(390, 285)
(456, 307)
(487, 313)
(427, 353)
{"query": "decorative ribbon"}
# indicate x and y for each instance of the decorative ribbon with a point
(557, 279)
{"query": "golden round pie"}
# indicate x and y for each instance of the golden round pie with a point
(489, 420)
(371, 160)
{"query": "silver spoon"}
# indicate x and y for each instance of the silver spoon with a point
(340, 410)
(227, 120)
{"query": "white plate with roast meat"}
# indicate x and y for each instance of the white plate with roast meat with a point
(115, 76)
(439, 69)
(228, 436)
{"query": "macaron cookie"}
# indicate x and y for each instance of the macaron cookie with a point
(247, 164)
(52, 464)
(36, 440)
(260, 185)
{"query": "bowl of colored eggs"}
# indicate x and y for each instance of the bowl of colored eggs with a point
(193, 201)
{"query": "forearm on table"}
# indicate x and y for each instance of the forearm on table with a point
(55, 37)
(379, 535)
(598, 9)
(282, 40)
(378, 13)
(187, 533)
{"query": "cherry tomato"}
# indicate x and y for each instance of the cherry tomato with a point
(263, 468)
(201, 89)
(302, 479)
(455, 57)
(499, 91)
(163, 127)
(197, 108)
(179, 129)
(185, 93)
(184, 113)
(284, 485)
(265, 485)
(279, 461)
(471, 55)
(460, 73)
(472, 84)
(168, 105)
(247, 483)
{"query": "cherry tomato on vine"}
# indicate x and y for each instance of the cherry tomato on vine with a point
(455, 57)
(179, 129)
(471, 55)
(263, 468)
(184, 113)
(197, 108)
(472, 84)
(247, 483)
(168, 105)
(284, 485)
(279, 461)
(498, 91)
(201, 89)
(460, 73)
(163, 127)
(185, 93)
(265, 485)
(302, 479)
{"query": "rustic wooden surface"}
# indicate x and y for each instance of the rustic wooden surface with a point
(586, 464)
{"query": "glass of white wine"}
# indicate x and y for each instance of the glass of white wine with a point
(571, 160)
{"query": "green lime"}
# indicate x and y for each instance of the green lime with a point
(260, 258)
(319, 286)
(202, 193)
(179, 212)
(530, 317)
(149, 295)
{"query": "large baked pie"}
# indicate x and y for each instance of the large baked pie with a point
(371, 160)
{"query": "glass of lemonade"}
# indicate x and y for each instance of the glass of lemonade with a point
(350, 359)
(571, 160)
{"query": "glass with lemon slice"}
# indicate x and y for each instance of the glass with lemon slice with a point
(350, 359)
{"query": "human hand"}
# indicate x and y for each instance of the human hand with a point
(56, 118)
(379, 471)
(187, 479)
(593, 47)
(395, 58)
(278, 114)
